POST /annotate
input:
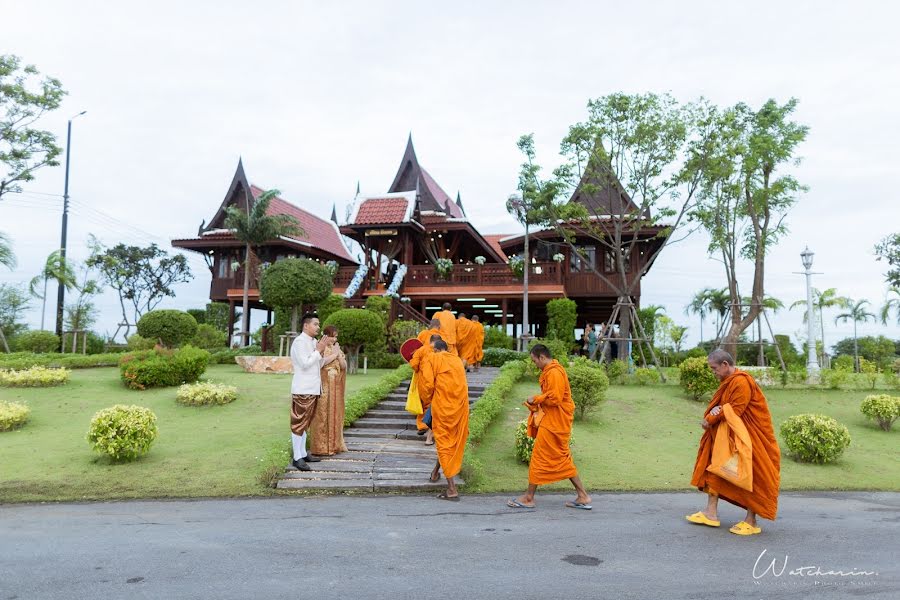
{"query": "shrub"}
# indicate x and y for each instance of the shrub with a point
(380, 305)
(171, 327)
(645, 376)
(589, 383)
(882, 408)
(70, 361)
(835, 378)
(326, 307)
(869, 371)
(616, 370)
(497, 357)
(137, 342)
(696, 378)
(562, 314)
(199, 314)
(559, 349)
(292, 282)
(206, 393)
(524, 444)
(815, 438)
(163, 368)
(38, 341)
(34, 377)
(402, 330)
(209, 338)
(356, 328)
(13, 415)
(843, 363)
(891, 380)
(358, 403)
(495, 337)
(490, 405)
(123, 432)
(382, 359)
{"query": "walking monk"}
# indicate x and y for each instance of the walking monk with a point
(443, 383)
(738, 390)
(550, 424)
(479, 341)
(448, 327)
(419, 358)
(465, 339)
(434, 328)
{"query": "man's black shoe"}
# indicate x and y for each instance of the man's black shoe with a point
(311, 458)
(300, 465)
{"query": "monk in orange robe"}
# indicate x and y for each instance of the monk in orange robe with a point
(465, 340)
(443, 383)
(550, 424)
(419, 357)
(739, 390)
(448, 327)
(479, 341)
(434, 328)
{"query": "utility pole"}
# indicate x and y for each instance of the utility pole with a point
(61, 291)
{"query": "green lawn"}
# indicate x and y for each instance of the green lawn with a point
(200, 451)
(645, 438)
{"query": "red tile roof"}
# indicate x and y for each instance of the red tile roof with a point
(318, 232)
(494, 241)
(382, 211)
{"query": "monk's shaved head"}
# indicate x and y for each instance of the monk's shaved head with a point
(719, 356)
(446, 306)
(540, 350)
(475, 318)
(461, 315)
(435, 323)
(435, 338)
(440, 346)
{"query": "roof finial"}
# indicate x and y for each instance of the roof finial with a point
(459, 203)
(334, 213)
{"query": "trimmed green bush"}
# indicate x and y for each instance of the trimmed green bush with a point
(645, 376)
(199, 314)
(616, 371)
(815, 438)
(40, 342)
(696, 378)
(881, 408)
(138, 342)
(357, 328)
(209, 338)
(205, 393)
(34, 377)
(123, 432)
(163, 368)
(562, 314)
(171, 327)
(13, 415)
(495, 337)
(329, 305)
(26, 360)
(835, 378)
(589, 383)
(362, 400)
(497, 357)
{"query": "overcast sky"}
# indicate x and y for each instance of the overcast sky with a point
(317, 96)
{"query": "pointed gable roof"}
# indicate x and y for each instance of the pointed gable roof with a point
(411, 176)
(600, 191)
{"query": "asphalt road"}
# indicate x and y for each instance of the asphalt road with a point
(629, 546)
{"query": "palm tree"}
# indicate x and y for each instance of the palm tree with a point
(822, 300)
(253, 227)
(678, 333)
(719, 302)
(699, 306)
(8, 260)
(857, 313)
(56, 268)
(891, 304)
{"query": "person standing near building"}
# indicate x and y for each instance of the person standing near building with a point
(448, 327)
(306, 385)
(479, 341)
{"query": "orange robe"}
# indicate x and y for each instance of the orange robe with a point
(551, 459)
(419, 357)
(425, 336)
(448, 329)
(748, 402)
(479, 342)
(465, 339)
(443, 382)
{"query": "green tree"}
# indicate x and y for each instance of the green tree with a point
(7, 256)
(293, 282)
(891, 304)
(746, 194)
(356, 328)
(857, 313)
(769, 304)
(82, 314)
(821, 300)
(253, 226)
(55, 268)
(888, 250)
(878, 349)
(678, 334)
(13, 304)
(719, 302)
(562, 314)
(699, 306)
(24, 98)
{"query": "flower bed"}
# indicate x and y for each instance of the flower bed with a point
(34, 377)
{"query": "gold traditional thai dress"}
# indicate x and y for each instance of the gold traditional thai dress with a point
(327, 427)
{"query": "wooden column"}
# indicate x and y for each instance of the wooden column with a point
(423, 311)
(230, 320)
(503, 317)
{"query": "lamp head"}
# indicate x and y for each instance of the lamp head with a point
(807, 257)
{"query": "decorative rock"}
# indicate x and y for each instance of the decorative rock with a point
(265, 364)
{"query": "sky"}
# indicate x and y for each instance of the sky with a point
(316, 97)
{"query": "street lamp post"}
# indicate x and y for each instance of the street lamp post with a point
(812, 362)
(61, 290)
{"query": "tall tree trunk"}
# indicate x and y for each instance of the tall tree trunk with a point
(44, 304)
(855, 348)
(294, 319)
(353, 363)
(762, 358)
(624, 332)
(245, 318)
(3, 339)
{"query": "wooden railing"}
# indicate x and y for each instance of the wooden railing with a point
(343, 276)
(218, 288)
(490, 274)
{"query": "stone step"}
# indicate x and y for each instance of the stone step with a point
(392, 405)
(391, 423)
(329, 484)
(351, 432)
(389, 413)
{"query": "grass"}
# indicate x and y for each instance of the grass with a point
(200, 451)
(645, 438)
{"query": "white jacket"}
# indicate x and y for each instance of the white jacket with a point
(307, 363)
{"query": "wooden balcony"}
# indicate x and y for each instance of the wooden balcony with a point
(486, 275)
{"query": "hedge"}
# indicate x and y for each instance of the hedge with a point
(163, 368)
(25, 360)
(497, 357)
(362, 400)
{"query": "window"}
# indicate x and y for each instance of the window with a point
(609, 262)
(577, 265)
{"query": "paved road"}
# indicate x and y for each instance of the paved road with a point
(629, 546)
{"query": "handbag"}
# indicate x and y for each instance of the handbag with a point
(413, 401)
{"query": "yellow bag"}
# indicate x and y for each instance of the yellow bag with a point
(413, 402)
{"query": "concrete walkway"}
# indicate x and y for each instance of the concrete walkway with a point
(399, 547)
(384, 451)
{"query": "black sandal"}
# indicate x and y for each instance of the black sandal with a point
(444, 496)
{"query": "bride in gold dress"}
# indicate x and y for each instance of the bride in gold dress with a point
(327, 426)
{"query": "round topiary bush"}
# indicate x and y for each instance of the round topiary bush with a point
(40, 342)
(357, 327)
(171, 327)
(589, 383)
(815, 438)
(163, 368)
(34, 377)
(292, 282)
(696, 378)
(13, 415)
(209, 338)
(881, 408)
(123, 432)
(206, 393)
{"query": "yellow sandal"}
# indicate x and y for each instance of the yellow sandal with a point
(700, 519)
(744, 528)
